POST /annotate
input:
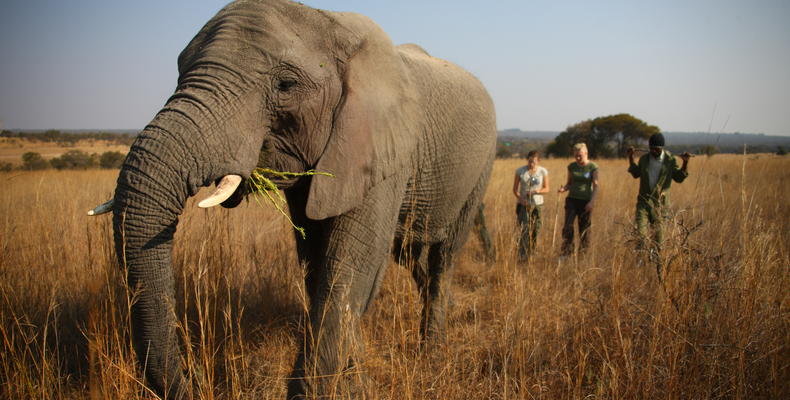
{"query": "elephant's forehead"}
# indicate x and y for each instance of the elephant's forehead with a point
(250, 32)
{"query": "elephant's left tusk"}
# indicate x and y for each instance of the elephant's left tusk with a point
(102, 208)
(225, 189)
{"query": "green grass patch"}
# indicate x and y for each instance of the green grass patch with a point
(264, 188)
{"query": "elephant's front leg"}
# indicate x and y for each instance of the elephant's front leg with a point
(348, 276)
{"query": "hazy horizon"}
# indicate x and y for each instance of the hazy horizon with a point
(705, 66)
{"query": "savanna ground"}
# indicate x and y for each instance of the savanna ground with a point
(11, 149)
(600, 326)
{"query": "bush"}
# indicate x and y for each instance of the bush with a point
(709, 150)
(111, 159)
(6, 166)
(33, 161)
(74, 159)
(504, 151)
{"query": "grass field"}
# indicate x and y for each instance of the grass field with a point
(601, 326)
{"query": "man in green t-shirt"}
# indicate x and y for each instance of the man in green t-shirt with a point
(656, 170)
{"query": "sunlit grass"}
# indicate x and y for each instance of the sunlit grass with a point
(601, 326)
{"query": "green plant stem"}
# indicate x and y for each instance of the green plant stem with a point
(259, 185)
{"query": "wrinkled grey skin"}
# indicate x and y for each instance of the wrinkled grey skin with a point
(409, 138)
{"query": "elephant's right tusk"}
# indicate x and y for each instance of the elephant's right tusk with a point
(102, 208)
(225, 189)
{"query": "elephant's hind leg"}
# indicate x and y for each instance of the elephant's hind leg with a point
(433, 274)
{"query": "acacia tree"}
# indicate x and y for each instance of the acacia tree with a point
(606, 137)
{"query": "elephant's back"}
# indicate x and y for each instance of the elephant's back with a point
(442, 80)
(453, 99)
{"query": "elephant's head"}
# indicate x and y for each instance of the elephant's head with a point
(295, 87)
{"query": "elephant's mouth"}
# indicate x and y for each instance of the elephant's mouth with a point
(249, 186)
(230, 191)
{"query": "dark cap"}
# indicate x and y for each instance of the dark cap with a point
(657, 140)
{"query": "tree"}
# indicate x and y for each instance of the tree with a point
(32, 161)
(563, 143)
(111, 159)
(780, 150)
(605, 137)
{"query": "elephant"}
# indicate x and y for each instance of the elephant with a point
(409, 140)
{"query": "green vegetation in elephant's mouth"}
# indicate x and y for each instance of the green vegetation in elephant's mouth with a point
(264, 188)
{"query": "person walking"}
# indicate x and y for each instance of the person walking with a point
(531, 182)
(656, 170)
(582, 187)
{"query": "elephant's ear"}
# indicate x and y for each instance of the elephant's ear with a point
(375, 126)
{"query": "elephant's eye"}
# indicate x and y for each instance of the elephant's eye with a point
(285, 85)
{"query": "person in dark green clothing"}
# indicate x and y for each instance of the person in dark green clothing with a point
(656, 170)
(582, 186)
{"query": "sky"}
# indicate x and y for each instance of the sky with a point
(692, 65)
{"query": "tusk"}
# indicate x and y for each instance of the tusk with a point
(225, 189)
(102, 208)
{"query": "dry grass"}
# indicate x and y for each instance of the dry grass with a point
(599, 327)
(11, 149)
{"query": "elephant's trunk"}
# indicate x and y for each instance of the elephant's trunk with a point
(149, 197)
(201, 135)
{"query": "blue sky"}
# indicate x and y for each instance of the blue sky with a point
(694, 65)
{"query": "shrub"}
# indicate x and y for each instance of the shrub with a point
(74, 159)
(111, 159)
(709, 150)
(33, 161)
(6, 166)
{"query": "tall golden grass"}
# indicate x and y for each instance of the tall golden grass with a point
(599, 326)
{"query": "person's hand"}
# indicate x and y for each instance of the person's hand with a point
(562, 189)
(630, 152)
(589, 206)
(685, 157)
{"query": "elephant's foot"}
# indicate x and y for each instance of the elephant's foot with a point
(434, 322)
(350, 384)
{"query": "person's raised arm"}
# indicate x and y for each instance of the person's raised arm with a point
(633, 169)
(679, 175)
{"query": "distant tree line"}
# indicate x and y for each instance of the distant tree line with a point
(509, 147)
(711, 149)
(72, 159)
(67, 139)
